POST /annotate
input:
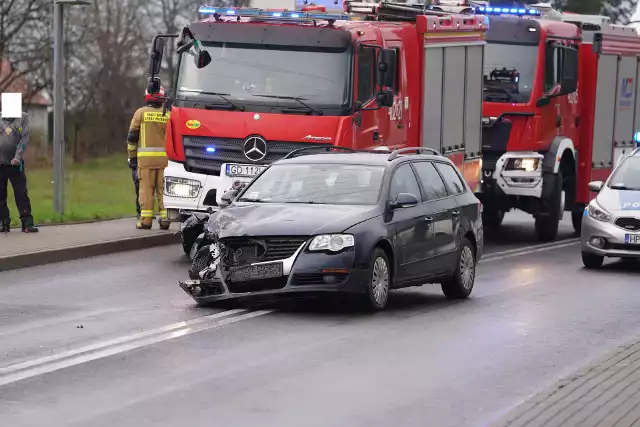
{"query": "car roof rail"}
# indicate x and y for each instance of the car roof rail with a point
(327, 148)
(396, 153)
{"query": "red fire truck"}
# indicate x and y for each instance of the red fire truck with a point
(560, 110)
(252, 85)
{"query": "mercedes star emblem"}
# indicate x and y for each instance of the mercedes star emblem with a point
(255, 148)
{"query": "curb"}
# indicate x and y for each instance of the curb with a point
(49, 256)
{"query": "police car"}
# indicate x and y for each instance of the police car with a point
(611, 223)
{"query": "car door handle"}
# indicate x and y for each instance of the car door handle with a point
(428, 219)
(455, 213)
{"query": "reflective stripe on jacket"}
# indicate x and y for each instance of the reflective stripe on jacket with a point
(147, 137)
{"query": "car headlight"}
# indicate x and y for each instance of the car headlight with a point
(527, 164)
(598, 213)
(181, 187)
(332, 242)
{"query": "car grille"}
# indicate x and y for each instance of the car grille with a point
(230, 150)
(622, 247)
(631, 224)
(243, 251)
(257, 285)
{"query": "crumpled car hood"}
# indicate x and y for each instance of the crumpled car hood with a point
(255, 219)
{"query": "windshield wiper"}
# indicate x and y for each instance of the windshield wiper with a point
(621, 186)
(246, 199)
(293, 98)
(224, 97)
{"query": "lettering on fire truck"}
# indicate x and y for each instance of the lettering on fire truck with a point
(395, 112)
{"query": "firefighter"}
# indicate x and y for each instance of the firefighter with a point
(14, 136)
(147, 153)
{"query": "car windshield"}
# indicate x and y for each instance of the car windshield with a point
(627, 175)
(243, 72)
(334, 184)
(502, 61)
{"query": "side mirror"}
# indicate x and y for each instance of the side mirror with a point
(228, 197)
(543, 101)
(184, 47)
(384, 98)
(386, 75)
(404, 200)
(155, 59)
(569, 81)
(596, 186)
(153, 85)
(202, 59)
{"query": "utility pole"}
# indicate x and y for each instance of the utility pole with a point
(58, 101)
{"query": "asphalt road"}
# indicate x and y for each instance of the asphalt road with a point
(112, 341)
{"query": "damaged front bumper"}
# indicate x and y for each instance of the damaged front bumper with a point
(303, 272)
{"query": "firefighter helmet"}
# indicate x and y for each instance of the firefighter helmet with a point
(154, 98)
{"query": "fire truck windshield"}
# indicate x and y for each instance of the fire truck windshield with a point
(509, 71)
(246, 74)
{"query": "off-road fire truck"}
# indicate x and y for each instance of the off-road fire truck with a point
(253, 85)
(560, 110)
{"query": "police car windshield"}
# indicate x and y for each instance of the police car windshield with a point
(507, 58)
(627, 175)
(333, 184)
(243, 71)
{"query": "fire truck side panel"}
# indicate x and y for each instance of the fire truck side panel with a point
(605, 112)
(453, 103)
(625, 105)
(432, 97)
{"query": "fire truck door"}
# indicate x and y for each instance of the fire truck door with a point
(395, 125)
(366, 130)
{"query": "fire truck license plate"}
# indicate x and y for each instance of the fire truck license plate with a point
(247, 171)
(632, 239)
(259, 271)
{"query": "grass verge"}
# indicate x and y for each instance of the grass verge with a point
(97, 189)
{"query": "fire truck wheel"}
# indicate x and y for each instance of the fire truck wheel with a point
(492, 217)
(576, 219)
(547, 225)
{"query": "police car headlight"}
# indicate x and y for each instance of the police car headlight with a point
(597, 213)
(181, 187)
(332, 242)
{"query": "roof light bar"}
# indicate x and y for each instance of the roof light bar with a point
(499, 10)
(272, 14)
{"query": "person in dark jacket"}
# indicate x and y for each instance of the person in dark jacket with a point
(14, 137)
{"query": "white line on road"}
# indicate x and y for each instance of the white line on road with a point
(502, 255)
(29, 369)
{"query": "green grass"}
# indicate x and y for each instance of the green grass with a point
(97, 189)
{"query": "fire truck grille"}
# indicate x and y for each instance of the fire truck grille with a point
(229, 150)
(631, 224)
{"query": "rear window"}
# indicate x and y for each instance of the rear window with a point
(451, 178)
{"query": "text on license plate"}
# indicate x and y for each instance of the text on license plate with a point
(632, 239)
(259, 271)
(244, 170)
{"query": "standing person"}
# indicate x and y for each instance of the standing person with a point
(133, 165)
(14, 136)
(146, 149)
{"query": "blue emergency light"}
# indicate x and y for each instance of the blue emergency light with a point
(260, 13)
(211, 150)
(498, 10)
(636, 137)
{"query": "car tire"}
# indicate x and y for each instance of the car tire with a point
(592, 261)
(460, 285)
(200, 262)
(547, 226)
(379, 281)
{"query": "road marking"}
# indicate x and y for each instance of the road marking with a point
(527, 248)
(44, 365)
(507, 254)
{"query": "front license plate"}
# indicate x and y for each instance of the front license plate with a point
(632, 239)
(245, 171)
(255, 272)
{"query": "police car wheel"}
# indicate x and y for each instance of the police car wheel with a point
(592, 261)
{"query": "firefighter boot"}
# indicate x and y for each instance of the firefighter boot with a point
(5, 226)
(143, 225)
(164, 224)
(27, 224)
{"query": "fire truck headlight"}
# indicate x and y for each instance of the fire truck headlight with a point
(181, 187)
(526, 164)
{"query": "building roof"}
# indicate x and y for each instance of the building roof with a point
(20, 85)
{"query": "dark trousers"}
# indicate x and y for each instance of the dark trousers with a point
(18, 179)
(136, 183)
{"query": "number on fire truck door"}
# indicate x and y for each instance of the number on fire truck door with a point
(395, 112)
